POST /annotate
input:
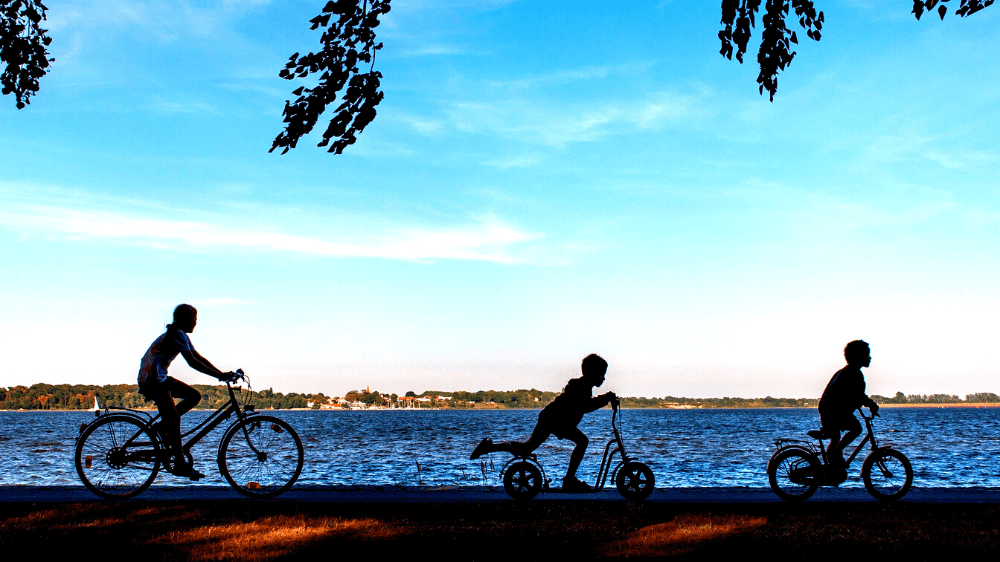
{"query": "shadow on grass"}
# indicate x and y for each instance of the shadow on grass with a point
(264, 531)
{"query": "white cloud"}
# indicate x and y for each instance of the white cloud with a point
(483, 239)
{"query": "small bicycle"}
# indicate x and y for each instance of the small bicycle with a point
(119, 454)
(798, 467)
(523, 477)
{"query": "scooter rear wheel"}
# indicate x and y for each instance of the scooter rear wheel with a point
(522, 480)
(635, 481)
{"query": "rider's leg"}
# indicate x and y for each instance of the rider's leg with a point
(581, 441)
(188, 395)
(171, 420)
(522, 448)
(853, 430)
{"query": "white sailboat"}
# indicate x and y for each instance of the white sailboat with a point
(97, 407)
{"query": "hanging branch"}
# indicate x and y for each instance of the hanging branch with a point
(22, 48)
(774, 55)
(348, 41)
(967, 7)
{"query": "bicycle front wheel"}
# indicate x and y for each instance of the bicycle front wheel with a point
(887, 474)
(117, 457)
(261, 456)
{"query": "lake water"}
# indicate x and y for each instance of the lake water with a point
(948, 447)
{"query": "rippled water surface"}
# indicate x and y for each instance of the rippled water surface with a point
(953, 447)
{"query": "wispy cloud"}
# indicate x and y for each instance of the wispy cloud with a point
(570, 76)
(220, 301)
(558, 124)
(487, 239)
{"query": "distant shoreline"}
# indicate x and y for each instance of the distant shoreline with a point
(942, 405)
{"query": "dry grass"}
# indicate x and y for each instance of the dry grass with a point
(680, 535)
(265, 531)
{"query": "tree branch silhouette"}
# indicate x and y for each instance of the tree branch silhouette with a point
(23, 50)
(347, 42)
(345, 63)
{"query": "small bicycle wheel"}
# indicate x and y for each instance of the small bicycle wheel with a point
(793, 474)
(261, 456)
(522, 480)
(635, 481)
(887, 474)
(117, 457)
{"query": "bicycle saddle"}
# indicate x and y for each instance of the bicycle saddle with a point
(818, 434)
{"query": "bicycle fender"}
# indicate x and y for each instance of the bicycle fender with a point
(116, 415)
(803, 449)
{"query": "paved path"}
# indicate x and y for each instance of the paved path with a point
(475, 494)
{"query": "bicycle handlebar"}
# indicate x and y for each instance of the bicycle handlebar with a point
(863, 416)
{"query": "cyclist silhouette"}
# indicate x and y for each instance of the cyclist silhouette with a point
(560, 418)
(158, 387)
(844, 394)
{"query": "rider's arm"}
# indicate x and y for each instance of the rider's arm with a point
(601, 401)
(199, 363)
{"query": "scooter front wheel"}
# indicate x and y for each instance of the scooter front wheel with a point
(635, 481)
(522, 480)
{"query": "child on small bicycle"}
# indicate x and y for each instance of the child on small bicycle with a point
(844, 394)
(158, 387)
(560, 418)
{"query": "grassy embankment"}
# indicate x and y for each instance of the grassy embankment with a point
(564, 530)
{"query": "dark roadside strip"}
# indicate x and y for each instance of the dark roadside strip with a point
(480, 494)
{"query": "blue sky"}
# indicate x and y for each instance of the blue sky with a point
(543, 180)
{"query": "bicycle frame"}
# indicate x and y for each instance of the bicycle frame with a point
(609, 453)
(606, 460)
(869, 438)
(821, 451)
(232, 406)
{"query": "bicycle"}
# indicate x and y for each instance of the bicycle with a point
(797, 468)
(524, 478)
(119, 454)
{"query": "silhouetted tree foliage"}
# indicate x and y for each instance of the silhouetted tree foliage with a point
(348, 41)
(738, 16)
(966, 8)
(23, 48)
(345, 63)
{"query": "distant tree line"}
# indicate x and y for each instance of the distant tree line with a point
(81, 397)
(900, 398)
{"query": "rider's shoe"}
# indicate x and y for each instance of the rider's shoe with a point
(194, 474)
(485, 446)
(573, 484)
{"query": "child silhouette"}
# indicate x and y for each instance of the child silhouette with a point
(560, 418)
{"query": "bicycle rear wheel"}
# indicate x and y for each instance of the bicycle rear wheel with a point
(793, 474)
(117, 457)
(261, 456)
